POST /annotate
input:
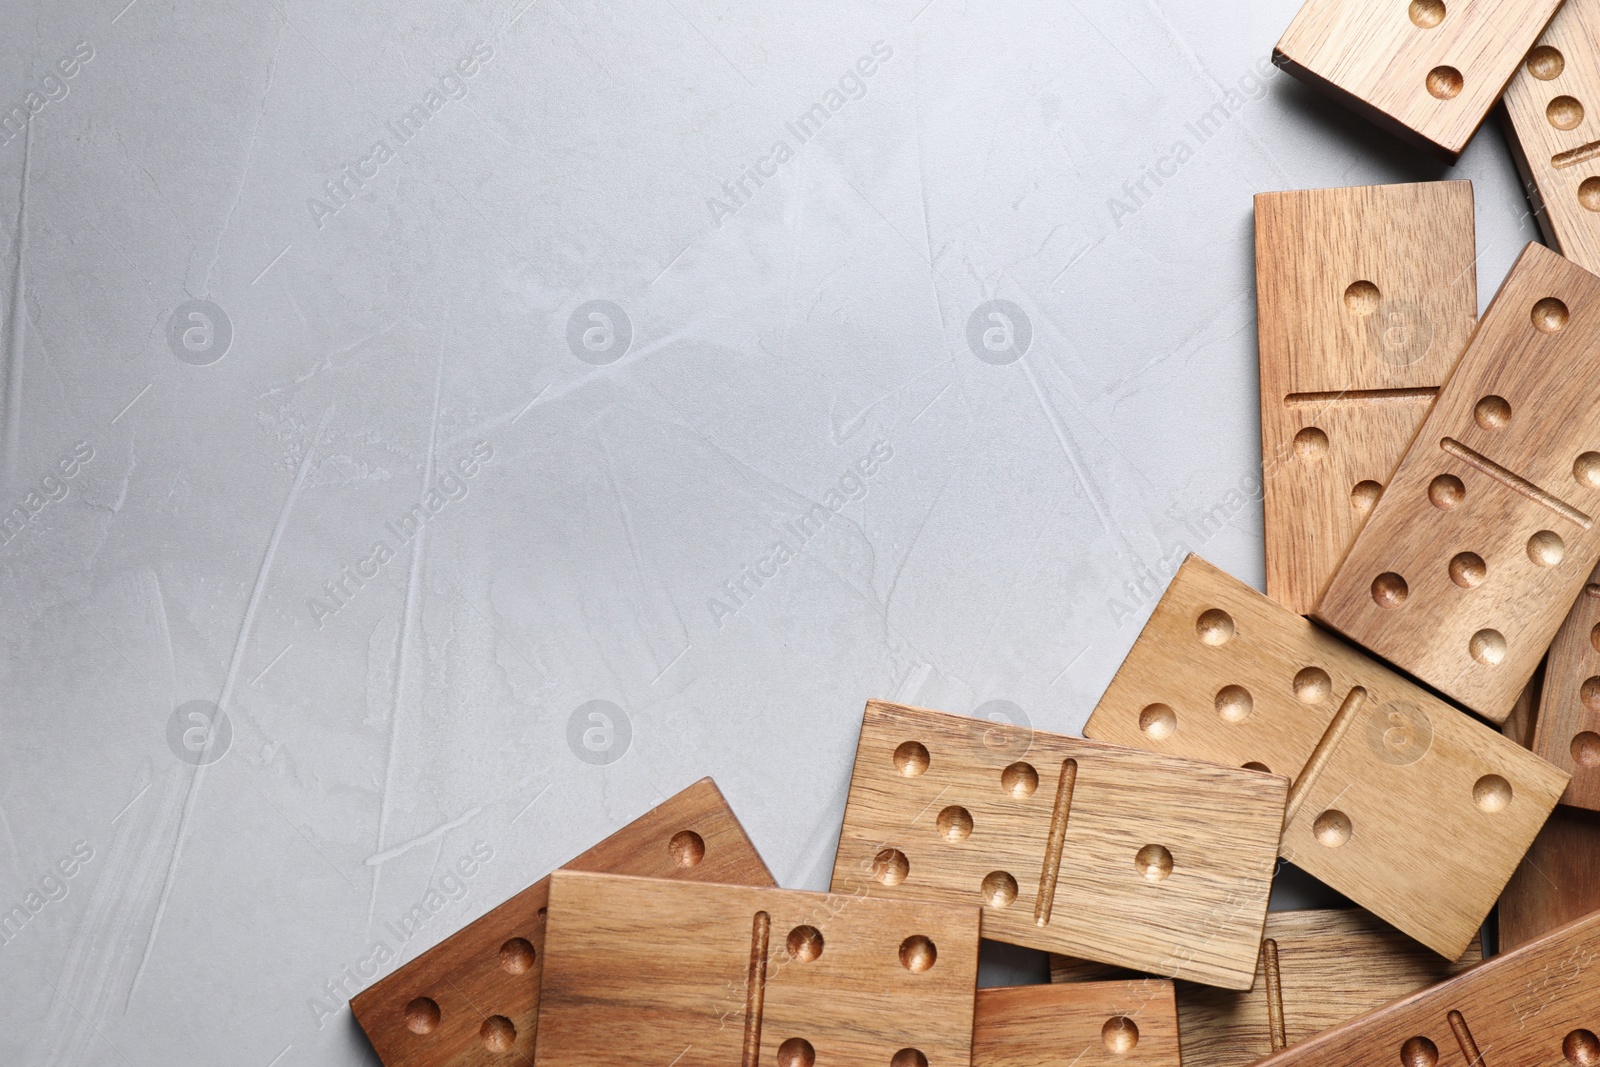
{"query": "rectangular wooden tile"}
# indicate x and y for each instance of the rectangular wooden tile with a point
(1568, 729)
(1317, 969)
(1487, 533)
(474, 997)
(713, 976)
(1111, 853)
(1389, 780)
(1427, 71)
(1553, 103)
(1536, 1006)
(1365, 298)
(1084, 1024)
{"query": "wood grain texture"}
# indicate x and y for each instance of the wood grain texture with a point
(1553, 104)
(1331, 966)
(1537, 1006)
(479, 973)
(1365, 298)
(713, 976)
(1488, 530)
(1085, 1024)
(1559, 879)
(1568, 728)
(1428, 71)
(1110, 853)
(1389, 780)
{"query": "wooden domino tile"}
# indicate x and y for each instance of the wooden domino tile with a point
(1553, 102)
(1536, 1006)
(1389, 780)
(1428, 71)
(1128, 857)
(1085, 1024)
(1568, 729)
(712, 976)
(1365, 298)
(1317, 968)
(1486, 533)
(474, 998)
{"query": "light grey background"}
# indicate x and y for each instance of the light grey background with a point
(1007, 549)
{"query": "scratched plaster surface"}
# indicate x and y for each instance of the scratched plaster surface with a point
(507, 413)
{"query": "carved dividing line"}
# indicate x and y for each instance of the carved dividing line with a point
(1421, 392)
(1269, 964)
(1324, 750)
(1469, 1047)
(1573, 156)
(755, 988)
(1515, 482)
(1058, 837)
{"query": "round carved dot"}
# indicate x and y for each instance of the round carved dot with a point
(917, 953)
(686, 848)
(1581, 1048)
(1467, 569)
(1444, 83)
(1364, 496)
(1419, 1052)
(908, 1057)
(1546, 548)
(1312, 685)
(1119, 1034)
(1446, 491)
(1586, 749)
(1491, 793)
(1154, 862)
(516, 956)
(1550, 315)
(1427, 13)
(1214, 627)
(1594, 637)
(999, 889)
(796, 1052)
(1589, 693)
(1257, 765)
(422, 1015)
(911, 758)
(1492, 413)
(497, 1034)
(890, 866)
(1158, 722)
(1362, 297)
(1546, 63)
(1331, 828)
(1234, 703)
(1564, 112)
(1310, 443)
(1488, 647)
(1389, 590)
(955, 823)
(804, 943)
(1589, 193)
(1019, 780)
(1586, 469)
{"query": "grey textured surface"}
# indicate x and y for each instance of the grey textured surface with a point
(427, 316)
